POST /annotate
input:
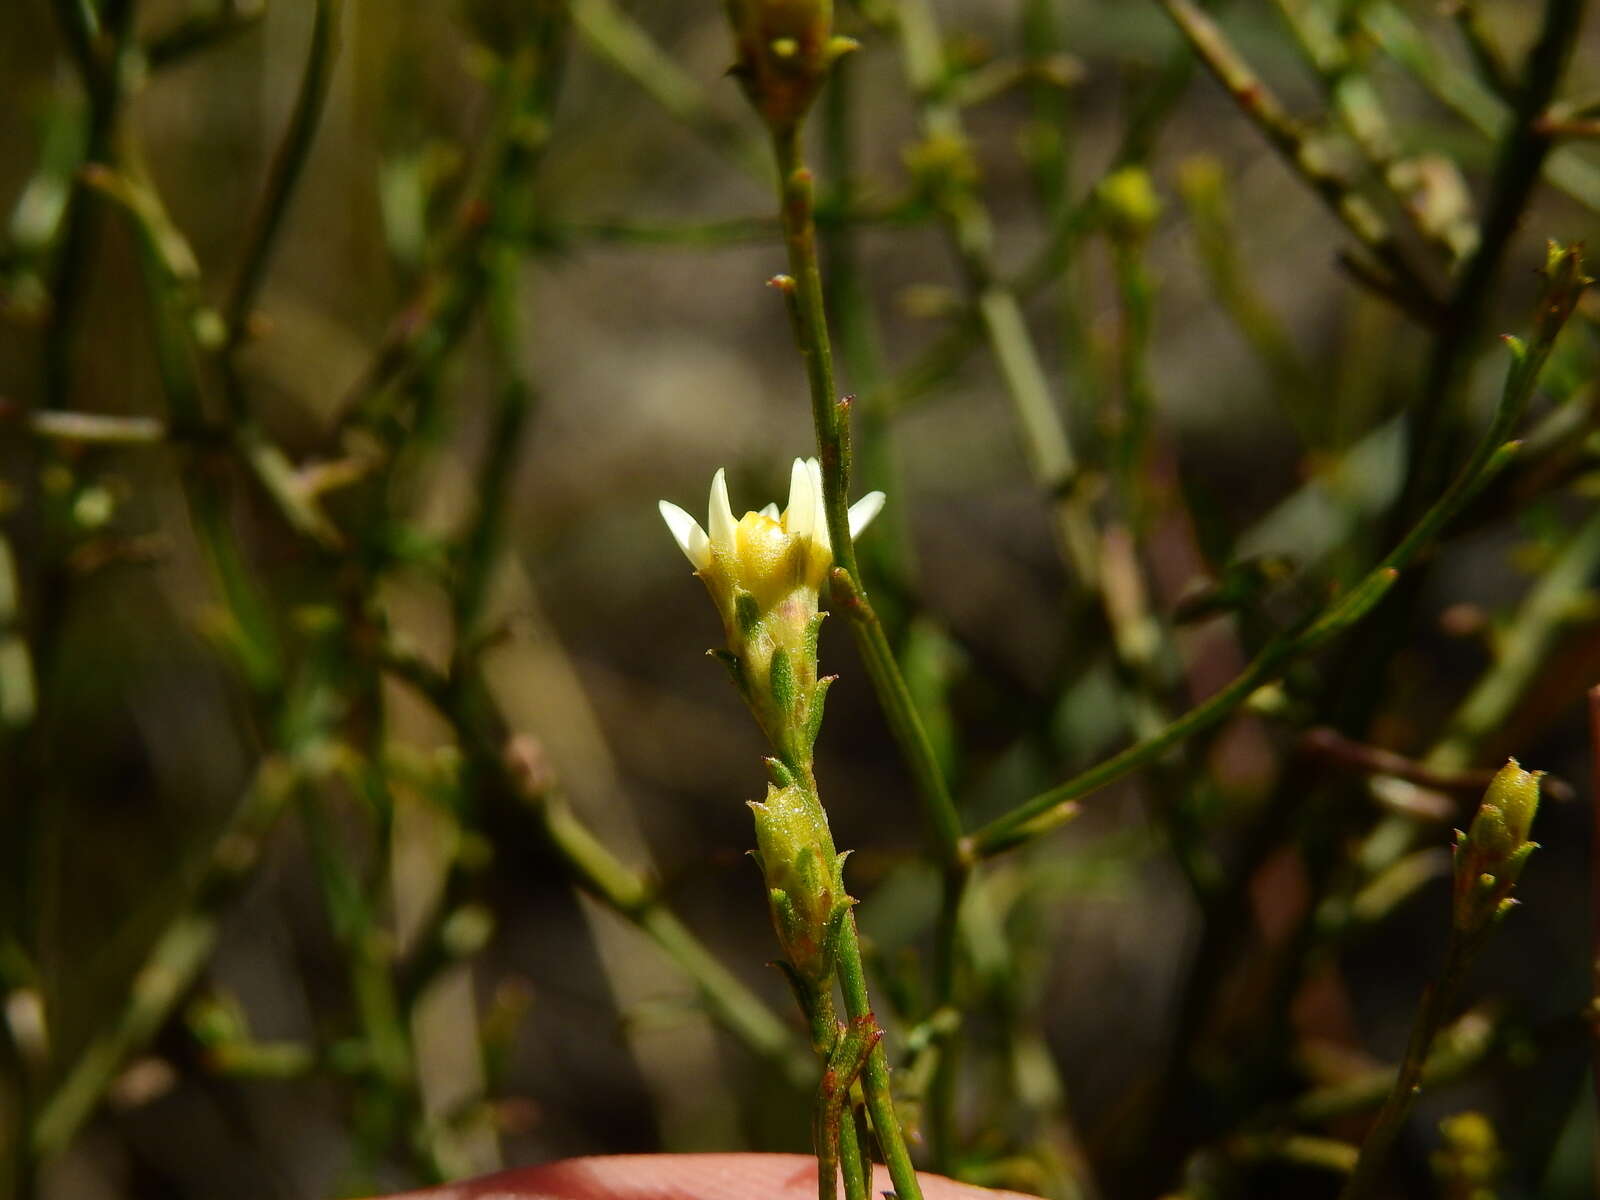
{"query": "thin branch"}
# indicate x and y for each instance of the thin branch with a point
(1492, 455)
(284, 174)
(1303, 155)
(172, 965)
(198, 32)
(1398, 36)
(627, 46)
(517, 764)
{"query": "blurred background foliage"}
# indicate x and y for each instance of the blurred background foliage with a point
(345, 349)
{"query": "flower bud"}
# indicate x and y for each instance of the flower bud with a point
(804, 875)
(785, 49)
(1564, 286)
(1491, 853)
(1129, 203)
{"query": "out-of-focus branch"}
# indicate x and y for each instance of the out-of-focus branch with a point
(283, 175)
(1493, 454)
(1304, 155)
(518, 766)
(627, 46)
(175, 961)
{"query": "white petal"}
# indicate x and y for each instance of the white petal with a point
(799, 520)
(771, 511)
(820, 509)
(687, 533)
(862, 512)
(721, 516)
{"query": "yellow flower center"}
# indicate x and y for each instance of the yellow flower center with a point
(761, 548)
(769, 562)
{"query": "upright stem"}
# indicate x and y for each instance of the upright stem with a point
(875, 1074)
(284, 174)
(875, 1071)
(837, 1147)
(800, 237)
(1396, 1108)
(830, 417)
(1521, 159)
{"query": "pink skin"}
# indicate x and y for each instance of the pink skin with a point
(679, 1177)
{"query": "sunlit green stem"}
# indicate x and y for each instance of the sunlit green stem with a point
(830, 418)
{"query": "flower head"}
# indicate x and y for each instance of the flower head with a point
(767, 553)
(764, 572)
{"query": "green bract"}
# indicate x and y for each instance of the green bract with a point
(804, 874)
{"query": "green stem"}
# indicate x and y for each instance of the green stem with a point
(875, 1074)
(96, 51)
(621, 41)
(447, 297)
(1393, 31)
(837, 1127)
(1391, 1118)
(388, 1099)
(829, 418)
(1360, 110)
(1051, 458)
(283, 175)
(1522, 155)
(1070, 224)
(1523, 648)
(1458, 1051)
(858, 1006)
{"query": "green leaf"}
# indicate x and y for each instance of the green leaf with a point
(813, 636)
(746, 612)
(780, 680)
(819, 696)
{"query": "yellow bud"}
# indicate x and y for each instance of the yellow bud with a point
(1491, 854)
(1130, 203)
(1515, 793)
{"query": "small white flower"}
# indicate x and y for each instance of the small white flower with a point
(764, 572)
(766, 553)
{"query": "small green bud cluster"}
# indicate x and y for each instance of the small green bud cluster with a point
(1565, 284)
(804, 874)
(1490, 855)
(785, 49)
